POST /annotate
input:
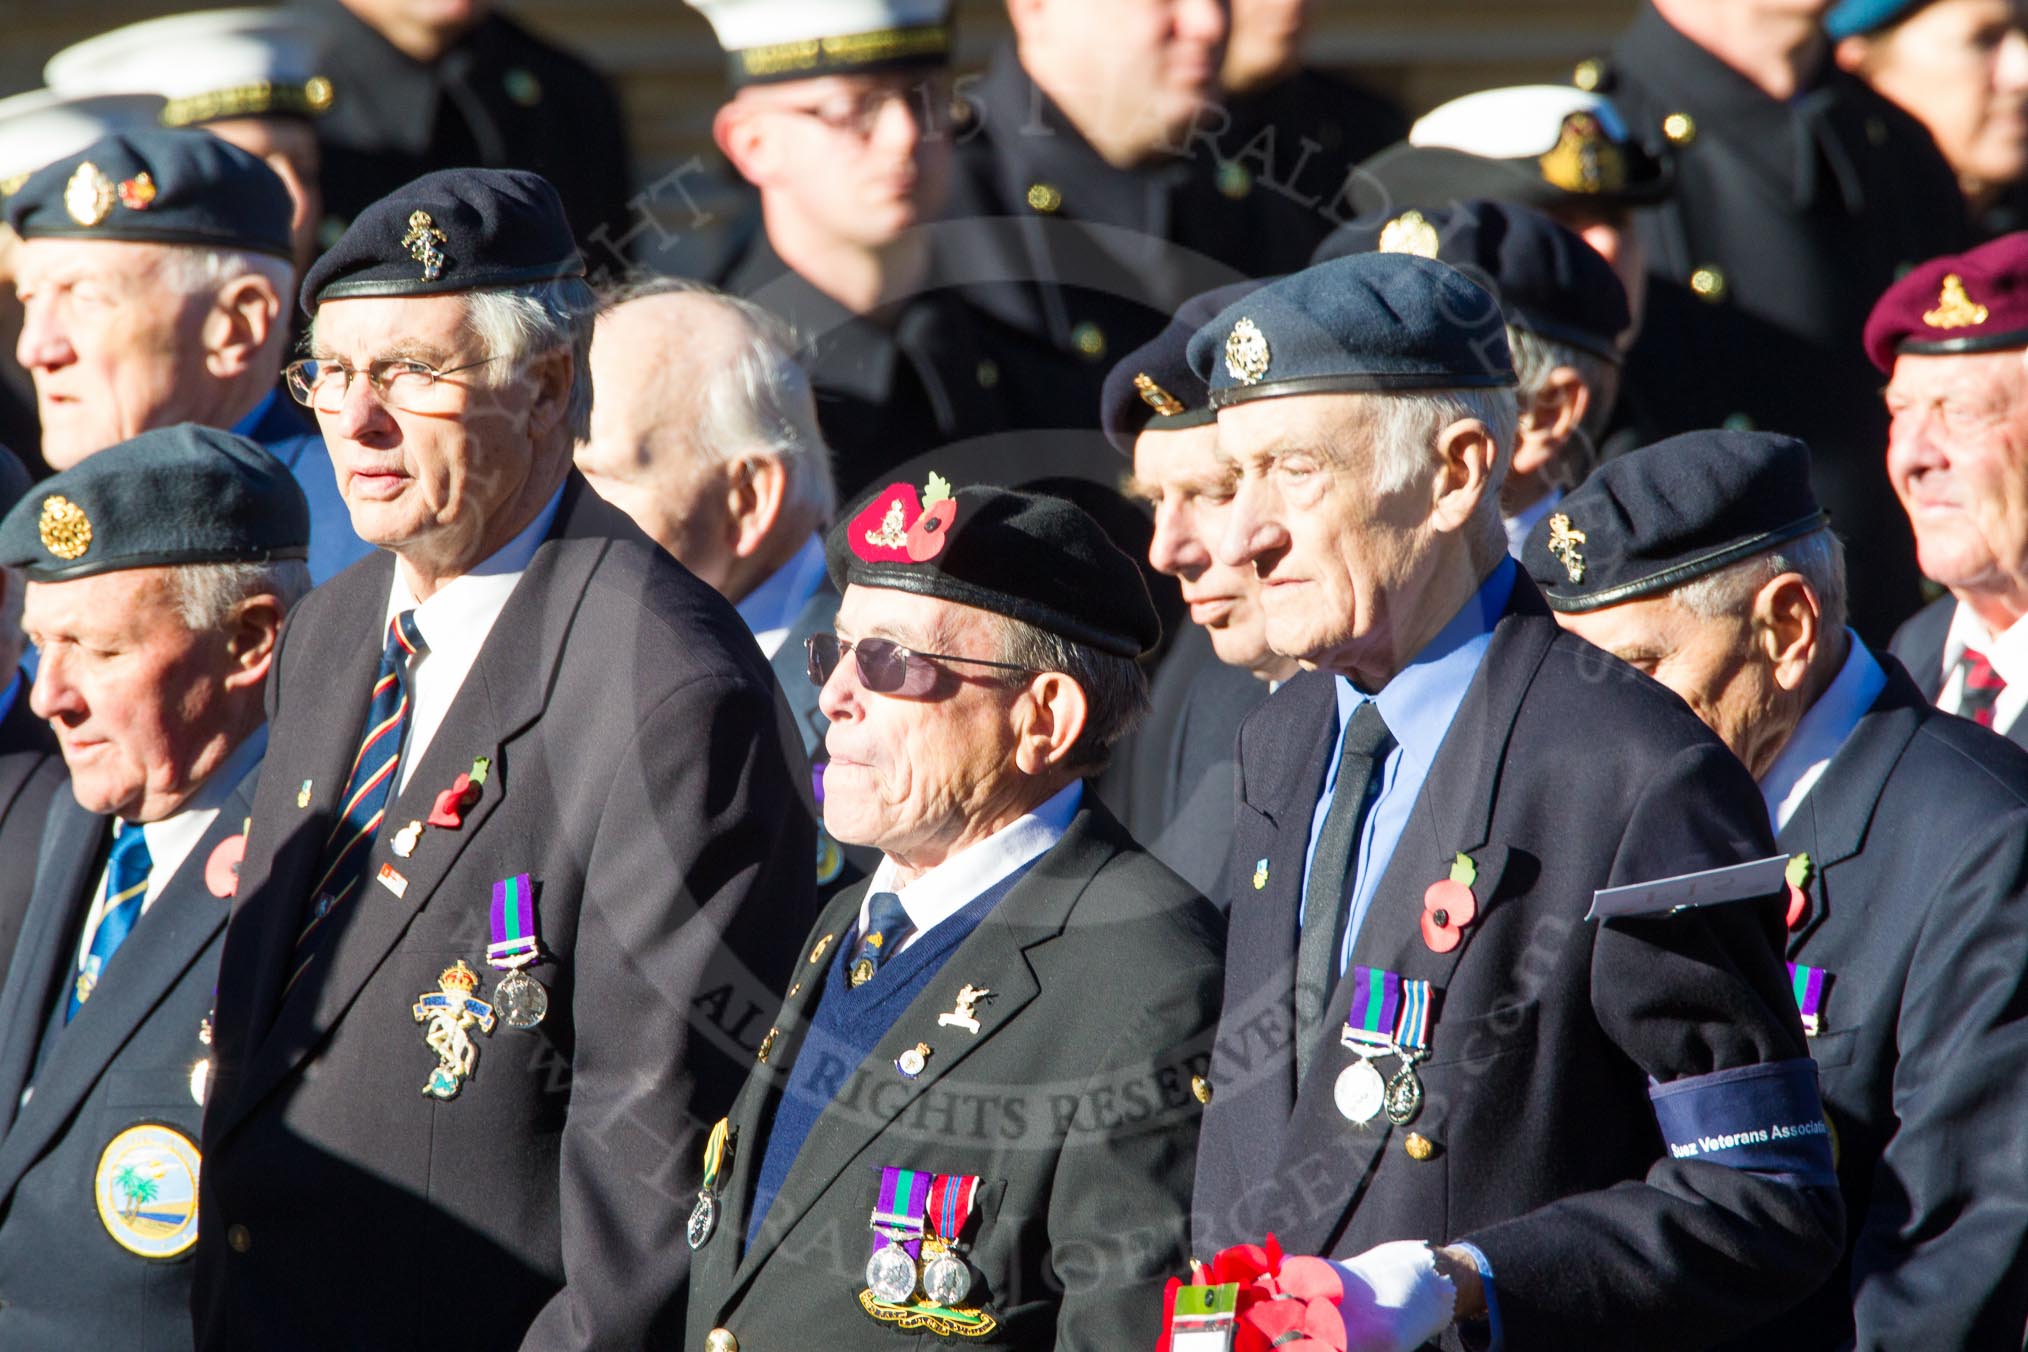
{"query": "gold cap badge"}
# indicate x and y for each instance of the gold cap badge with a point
(66, 530)
(1564, 540)
(422, 240)
(1410, 233)
(1954, 309)
(1247, 354)
(1157, 398)
(1583, 160)
(89, 195)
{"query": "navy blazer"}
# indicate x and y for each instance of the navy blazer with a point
(126, 1059)
(1563, 772)
(1919, 646)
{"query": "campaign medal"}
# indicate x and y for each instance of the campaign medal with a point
(519, 997)
(897, 1225)
(946, 1279)
(1808, 986)
(912, 1062)
(448, 1014)
(1361, 1093)
(1411, 1044)
(717, 1155)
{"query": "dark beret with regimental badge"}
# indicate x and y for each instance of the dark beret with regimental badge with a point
(1153, 389)
(1649, 521)
(173, 495)
(1367, 323)
(158, 187)
(1960, 303)
(1028, 556)
(448, 231)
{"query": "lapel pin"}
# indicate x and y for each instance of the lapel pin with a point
(406, 839)
(391, 879)
(1448, 906)
(221, 871)
(963, 1014)
(481, 768)
(451, 804)
(911, 1062)
(1799, 872)
(1260, 874)
(823, 946)
(447, 1014)
(303, 795)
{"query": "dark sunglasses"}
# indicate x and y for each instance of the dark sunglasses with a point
(885, 668)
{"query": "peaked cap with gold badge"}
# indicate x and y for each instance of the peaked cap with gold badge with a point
(208, 64)
(158, 187)
(770, 40)
(1968, 302)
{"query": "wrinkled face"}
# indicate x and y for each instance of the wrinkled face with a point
(1961, 66)
(113, 344)
(136, 700)
(911, 776)
(1340, 565)
(1147, 61)
(1179, 474)
(444, 484)
(863, 157)
(1712, 664)
(1957, 455)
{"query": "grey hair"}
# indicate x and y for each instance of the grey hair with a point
(517, 322)
(1403, 428)
(761, 402)
(206, 592)
(1818, 557)
(1535, 359)
(193, 270)
(1115, 688)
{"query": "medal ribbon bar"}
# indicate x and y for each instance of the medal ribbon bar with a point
(1413, 1038)
(1808, 985)
(515, 941)
(1376, 1003)
(898, 1220)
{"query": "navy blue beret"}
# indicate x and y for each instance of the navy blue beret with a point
(14, 480)
(1546, 278)
(172, 495)
(1857, 18)
(1364, 323)
(1028, 556)
(1153, 387)
(158, 187)
(1649, 521)
(452, 230)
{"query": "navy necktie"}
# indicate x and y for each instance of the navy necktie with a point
(126, 889)
(1328, 891)
(887, 924)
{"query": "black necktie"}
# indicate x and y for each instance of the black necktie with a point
(1329, 886)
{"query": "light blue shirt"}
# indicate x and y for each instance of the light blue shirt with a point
(1824, 728)
(771, 609)
(1418, 706)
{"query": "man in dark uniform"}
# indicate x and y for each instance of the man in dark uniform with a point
(422, 87)
(850, 153)
(1800, 194)
(531, 843)
(30, 771)
(1612, 1124)
(159, 572)
(1708, 564)
(155, 276)
(1952, 337)
(962, 1055)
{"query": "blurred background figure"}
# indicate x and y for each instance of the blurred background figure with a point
(30, 770)
(1961, 66)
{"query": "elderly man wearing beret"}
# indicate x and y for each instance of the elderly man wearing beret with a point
(158, 573)
(989, 1047)
(530, 854)
(1708, 565)
(1441, 1024)
(1952, 337)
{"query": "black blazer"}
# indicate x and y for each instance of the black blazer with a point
(1072, 1106)
(1918, 831)
(31, 773)
(645, 775)
(1919, 646)
(1564, 771)
(125, 1060)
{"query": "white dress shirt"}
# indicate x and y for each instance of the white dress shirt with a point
(455, 622)
(961, 879)
(1825, 727)
(2008, 653)
(771, 609)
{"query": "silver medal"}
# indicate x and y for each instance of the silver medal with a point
(703, 1219)
(520, 1000)
(1360, 1092)
(890, 1274)
(946, 1280)
(1404, 1095)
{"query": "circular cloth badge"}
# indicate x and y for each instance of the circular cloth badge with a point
(146, 1190)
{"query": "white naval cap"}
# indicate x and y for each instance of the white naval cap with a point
(1506, 124)
(208, 65)
(42, 126)
(796, 39)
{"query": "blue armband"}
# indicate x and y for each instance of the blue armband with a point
(1766, 1118)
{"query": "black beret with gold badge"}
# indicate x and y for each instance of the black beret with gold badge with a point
(1152, 388)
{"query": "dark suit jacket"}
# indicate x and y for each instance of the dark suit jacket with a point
(1563, 772)
(31, 773)
(1919, 646)
(645, 776)
(125, 1059)
(1918, 831)
(1072, 1106)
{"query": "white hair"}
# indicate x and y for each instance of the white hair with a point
(517, 322)
(760, 403)
(206, 592)
(201, 271)
(1818, 557)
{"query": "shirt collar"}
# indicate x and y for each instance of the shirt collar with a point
(1422, 699)
(1823, 729)
(468, 604)
(952, 885)
(770, 610)
(2008, 651)
(171, 840)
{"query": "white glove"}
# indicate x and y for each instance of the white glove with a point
(1394, 1299)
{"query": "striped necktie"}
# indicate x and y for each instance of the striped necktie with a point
(370, 785)
(126, 889)
(1980, 689)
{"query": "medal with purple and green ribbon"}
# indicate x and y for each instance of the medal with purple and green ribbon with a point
(1808, 985)
(1369, 1032)
(519, 997)
(897, 1226)
(1411, 1044)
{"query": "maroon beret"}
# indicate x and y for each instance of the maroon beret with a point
(1968, 302)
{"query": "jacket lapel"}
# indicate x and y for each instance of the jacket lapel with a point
(65, 869)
